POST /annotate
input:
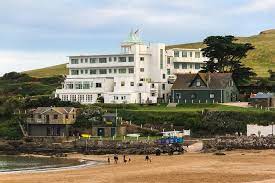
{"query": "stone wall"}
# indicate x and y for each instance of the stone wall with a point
(239, 142)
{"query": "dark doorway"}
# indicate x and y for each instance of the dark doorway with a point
(139, 98)
(47, 118)
(113, 132)
(100, 132)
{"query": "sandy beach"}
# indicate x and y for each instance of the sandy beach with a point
(235, 166)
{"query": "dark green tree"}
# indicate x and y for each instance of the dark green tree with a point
(88, 116)
(225, 56)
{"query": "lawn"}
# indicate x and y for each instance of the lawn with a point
(179, 108)
(49, 71)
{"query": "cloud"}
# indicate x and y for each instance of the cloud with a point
(257, 6)
(22, 60)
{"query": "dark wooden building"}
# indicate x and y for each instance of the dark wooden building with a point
(204, 88)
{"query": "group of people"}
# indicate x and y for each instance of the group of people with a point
(147, 159)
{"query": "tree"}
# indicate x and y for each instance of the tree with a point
(89, 115)
(225, 56)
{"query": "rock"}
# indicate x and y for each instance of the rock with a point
(219, 153)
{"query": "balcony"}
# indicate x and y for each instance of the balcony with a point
(101, 65)
(45, 121)
(189, 59)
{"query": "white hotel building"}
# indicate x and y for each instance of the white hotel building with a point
(139, 74)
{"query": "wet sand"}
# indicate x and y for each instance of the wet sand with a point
(235, 166)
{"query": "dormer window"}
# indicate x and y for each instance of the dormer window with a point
(198, 83)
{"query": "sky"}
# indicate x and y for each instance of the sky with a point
(40, 33)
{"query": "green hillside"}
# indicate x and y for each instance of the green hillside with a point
(261, 59)
(49, 71)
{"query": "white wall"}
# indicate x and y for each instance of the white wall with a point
(265, 130)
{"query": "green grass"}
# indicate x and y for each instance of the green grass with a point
(180, 108)
(261, 59)
(49, 71)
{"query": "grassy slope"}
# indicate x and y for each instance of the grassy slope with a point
(179, 108)
(49, 71)
(261, 59)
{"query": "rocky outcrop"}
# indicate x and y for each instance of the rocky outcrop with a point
(239, 142)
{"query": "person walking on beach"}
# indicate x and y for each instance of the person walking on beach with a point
(124, 158)
(147, 159)
(116, 158)
(109, 161)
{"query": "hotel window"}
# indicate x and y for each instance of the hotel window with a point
(140, 84)
(86, 71)
(82, 71)
(80, 98)
(168, 71)
(121, 59)
(163, 76)
(102, 60)
(176, 53)
(131, 70)
(110, 59)
(73, 98)
(212, 95)
(141, 69)
(163, 86)
(110, 71)
(131, 59)
(168, 60)
(184, 53)
(122, 83)
(132, 84)
(92, 60)
(86, 85)
(89, 98)
(86, 60)
(115, 71)
(91, 84)
(74, 61)
(81, 60)
(190, 66)
(92, 71)
(197, 66)
(191, 54)
(176, 65)
(115, 59)
(161, 58)
(153, 94)
(184, 65)
(197, 54)
(55, 116)
(141, 58)
(141, 79)
(74, 72)
(102, 71)
(121, 71)
(152, 85)
(98, 85)
(78, 85)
